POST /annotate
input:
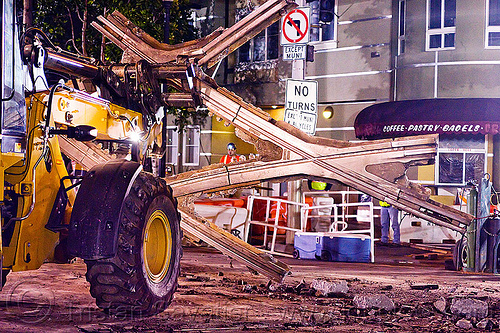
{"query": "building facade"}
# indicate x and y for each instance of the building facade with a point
(377, 53)
(381, 51)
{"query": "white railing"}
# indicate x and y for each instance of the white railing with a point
(268, 218)
(338, 222)
(344, 198)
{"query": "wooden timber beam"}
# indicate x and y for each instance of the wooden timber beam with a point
(234, 247)
(403, 196)
(376, 168)
(207, 51)
(89, 155)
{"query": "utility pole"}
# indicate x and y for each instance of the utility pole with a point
(27, 14)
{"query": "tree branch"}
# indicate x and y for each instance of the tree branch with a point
(72, 40)
(84, 28)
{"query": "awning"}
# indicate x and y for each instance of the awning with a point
(425, 116)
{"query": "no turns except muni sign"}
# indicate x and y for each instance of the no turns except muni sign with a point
(294, 52)
(301, 101)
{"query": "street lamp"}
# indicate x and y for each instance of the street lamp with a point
(167, 4)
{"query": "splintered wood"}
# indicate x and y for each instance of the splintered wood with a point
(234, 247)
(207, 51)
(377, 168)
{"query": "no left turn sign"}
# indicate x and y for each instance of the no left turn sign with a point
(295, 27)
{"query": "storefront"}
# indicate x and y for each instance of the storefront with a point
(465, 126)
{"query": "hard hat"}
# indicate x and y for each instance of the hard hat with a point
(231, 145)
(319, 186)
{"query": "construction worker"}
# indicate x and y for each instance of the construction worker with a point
(231, 156)
(388, 216)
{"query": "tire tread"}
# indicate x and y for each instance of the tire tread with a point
(118, 283)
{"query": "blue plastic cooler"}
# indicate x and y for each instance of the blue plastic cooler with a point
(305, 245)
(343, 247)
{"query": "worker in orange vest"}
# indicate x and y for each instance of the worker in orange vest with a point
(231, 156)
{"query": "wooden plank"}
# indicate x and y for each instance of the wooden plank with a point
(89, 155)
(234, 247)
(434, 248)
(86, 154)
(376, 168)
(346, 163)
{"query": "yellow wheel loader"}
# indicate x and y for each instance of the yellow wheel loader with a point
(125, 222)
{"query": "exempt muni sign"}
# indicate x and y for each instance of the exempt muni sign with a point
(301, 104)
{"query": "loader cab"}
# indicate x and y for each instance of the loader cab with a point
(13, 105)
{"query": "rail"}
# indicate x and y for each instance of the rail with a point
(340, 220)
(274, 209)
(344, 198)
(268, 217)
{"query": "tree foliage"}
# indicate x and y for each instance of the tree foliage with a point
(67, 22)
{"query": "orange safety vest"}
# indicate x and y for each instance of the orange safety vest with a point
(226, 159)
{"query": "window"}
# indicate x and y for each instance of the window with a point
(12, 106)
(441, 27)
(460, 159)
(190, 149)
(320, 31)
(262, 47)
(172, 145)
(402, 27)
(493, 23)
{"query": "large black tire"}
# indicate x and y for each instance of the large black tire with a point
(142, 278)
(460, 254)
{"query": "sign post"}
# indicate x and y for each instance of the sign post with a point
(301, 104)
(294, 38)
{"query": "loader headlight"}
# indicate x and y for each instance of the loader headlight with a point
(80, 132)
(135, 137)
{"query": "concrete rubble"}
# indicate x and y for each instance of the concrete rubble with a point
(326, 288)
(486, 324)
(469, 308)
(225, 297)
(380, 301)
(465, 324)
(440, 305)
